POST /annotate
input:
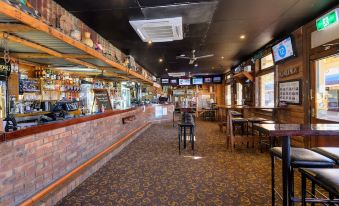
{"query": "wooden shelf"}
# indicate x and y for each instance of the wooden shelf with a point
(243, 75)
(19, 34)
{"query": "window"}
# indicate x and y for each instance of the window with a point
(266, 61)
(327, 89)
(267, 90)
(228, 95)
(239, 94)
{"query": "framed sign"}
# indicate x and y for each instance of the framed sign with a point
(290, 91)
(102, 97)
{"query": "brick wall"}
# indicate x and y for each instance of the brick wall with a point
(31, 163)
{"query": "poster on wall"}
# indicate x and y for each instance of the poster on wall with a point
(290, 92)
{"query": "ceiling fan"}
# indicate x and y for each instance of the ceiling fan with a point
(193, 58)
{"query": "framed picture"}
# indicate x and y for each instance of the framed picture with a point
(290, 91)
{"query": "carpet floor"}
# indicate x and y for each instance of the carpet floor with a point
(149, 171)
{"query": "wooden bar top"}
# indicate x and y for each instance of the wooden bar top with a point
(5, 136)
(280, 130)
(247, 107)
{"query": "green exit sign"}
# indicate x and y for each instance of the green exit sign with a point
(327, 20)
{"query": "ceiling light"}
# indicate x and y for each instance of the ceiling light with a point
(196, 65)
(242, 36)
(166, 69)
(161, 60)
(150, 42)
(222, 57)
(212, 67)
(182, 55)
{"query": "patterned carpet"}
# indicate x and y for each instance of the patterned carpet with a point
(150, 171)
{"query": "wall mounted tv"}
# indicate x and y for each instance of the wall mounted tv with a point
(283, 50)
(174, 81)
(217, 79)
(184, 82)
(164, 81)
(207, 79)
(197, 80)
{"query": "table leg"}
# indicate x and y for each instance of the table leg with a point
(179, 138)
(184, 137)
(286, 170)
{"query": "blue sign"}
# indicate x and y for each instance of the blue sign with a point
(282, 51)
(332, 79)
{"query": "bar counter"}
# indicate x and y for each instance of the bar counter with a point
(33, 158)
(42, 127)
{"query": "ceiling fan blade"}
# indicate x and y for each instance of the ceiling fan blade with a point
(180, 57)
(205, 56)
(192, 61)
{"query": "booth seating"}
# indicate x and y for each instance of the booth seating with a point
(186, 126)
(300, 158)
(328, 179)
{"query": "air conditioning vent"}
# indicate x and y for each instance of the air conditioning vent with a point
(159, 30)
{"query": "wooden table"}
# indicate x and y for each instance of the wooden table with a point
(285, 132)
(275, 110)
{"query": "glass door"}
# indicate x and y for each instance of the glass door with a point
(325, 97)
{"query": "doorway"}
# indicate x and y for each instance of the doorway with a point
(326, 90)
(325, 95)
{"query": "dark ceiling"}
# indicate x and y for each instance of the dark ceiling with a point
(259, 20)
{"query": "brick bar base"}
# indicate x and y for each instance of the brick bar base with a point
(31, 163)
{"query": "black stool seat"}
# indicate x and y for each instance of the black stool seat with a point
(330, 152)
(268, 122)
(236, 114)
(256, 119)
(239, 120)
(301, 157)
(327, 178)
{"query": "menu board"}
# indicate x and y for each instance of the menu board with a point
(290, 92)
(102, 97)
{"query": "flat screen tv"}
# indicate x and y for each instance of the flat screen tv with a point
(283, 50)
(208, 80)
(184, 82)
(174, 81)
(164, 81)
(197, 80)
(217, 79)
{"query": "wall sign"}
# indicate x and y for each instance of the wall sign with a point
(327, 20)
(289, 72)
(290, 91)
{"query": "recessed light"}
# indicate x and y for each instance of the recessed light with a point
(150, 42)
(166, 69)
(161, 60)
(242, 36)
(196, 65)
(182, 55)
(222, 57)
(212, 67)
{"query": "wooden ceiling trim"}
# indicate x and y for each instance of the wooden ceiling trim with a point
(24, 42)
(17, 14)
(47, 56)
(11, 27)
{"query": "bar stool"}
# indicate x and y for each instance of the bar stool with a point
(325, 178)
(187, 122)
(330, 152)
(300, 157)
(254, 120)
(270, 141)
